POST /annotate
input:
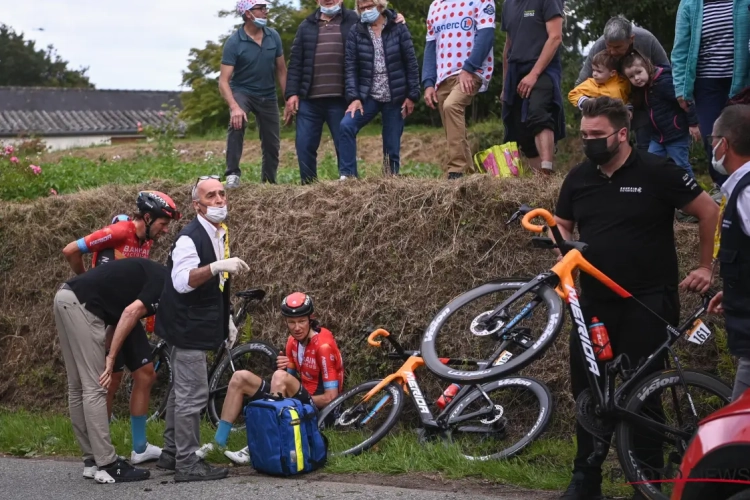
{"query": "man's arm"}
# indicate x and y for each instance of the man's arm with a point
(566, 228)
(225, 74)
(707, 211)
(74, 256)
(506, 51)
(294, 73)
(128, 319)
(554, 39)
(658, 55)
(330, 376)
(281, 73)
(429, 64)
(186, 273)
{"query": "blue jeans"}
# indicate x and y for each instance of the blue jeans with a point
(393, 128)
(711, 95)
(677, 149)
(312, 114)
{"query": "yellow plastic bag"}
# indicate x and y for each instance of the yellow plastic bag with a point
(501, 161)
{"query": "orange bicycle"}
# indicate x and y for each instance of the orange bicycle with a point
(490, 421)
(649, 405)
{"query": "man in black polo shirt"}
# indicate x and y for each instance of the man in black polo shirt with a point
(120, 293)
(623, 202)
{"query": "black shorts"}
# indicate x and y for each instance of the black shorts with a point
(536, 116)
(302, 395)
(135, 352)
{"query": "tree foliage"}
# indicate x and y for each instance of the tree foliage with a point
(23, 65)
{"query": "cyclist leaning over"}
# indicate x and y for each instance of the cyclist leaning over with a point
(311, 371)
(124, 239)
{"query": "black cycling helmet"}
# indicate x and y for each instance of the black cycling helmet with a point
(297, 305)
(159, 205)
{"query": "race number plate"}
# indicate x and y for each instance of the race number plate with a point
(699, 333)
(503, 358)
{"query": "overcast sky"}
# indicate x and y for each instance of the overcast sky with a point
(133, 44)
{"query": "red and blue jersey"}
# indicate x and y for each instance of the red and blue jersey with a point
(318, 364)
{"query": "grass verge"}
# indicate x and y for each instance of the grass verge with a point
(544, 465)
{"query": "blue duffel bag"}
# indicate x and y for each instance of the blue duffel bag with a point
(283, 437)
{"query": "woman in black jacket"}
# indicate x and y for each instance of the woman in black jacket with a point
(382, 76)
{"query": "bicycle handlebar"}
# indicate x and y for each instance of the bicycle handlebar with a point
(377, 333)
(537, 212)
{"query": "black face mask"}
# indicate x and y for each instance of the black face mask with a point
(597, 151)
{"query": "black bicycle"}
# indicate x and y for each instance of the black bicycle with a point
(489, 421)
(258, 357)
(653, 414)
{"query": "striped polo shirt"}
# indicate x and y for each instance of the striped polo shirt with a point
(328, 72)
(716, 55)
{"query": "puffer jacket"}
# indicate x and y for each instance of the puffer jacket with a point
(302, 58)
(400, 59)
(669, 120)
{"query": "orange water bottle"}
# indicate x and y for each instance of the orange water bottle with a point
(448, 394)
(600, 340)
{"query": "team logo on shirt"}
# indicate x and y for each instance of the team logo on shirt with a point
(465, 24)
(529, 13)
(631, 189)
(101, 240)
(489, 9)
(689, 181)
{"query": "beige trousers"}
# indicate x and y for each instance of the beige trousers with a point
(452, 104)
(81, 336)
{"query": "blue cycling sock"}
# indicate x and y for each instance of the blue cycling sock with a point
(138, 431)
(222, 432)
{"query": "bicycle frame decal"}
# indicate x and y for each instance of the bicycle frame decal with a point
(416, 393)
(402, 376)
(583, 332)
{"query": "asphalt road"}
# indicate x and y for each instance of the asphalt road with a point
(24, 479)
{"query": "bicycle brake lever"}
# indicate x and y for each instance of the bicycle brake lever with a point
(513, 218)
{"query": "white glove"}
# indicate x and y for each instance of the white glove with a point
(233, 265)
(232, 333)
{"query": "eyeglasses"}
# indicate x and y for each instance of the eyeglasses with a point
(261, 8)
(204, 178)
(712, 137)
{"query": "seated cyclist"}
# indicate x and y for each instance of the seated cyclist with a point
(312, 371)
(126, 238)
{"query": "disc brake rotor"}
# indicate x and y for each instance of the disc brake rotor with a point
(587, 417)
(479, 328)
(497, 415)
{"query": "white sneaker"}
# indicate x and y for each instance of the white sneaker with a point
(150, 453)
(103, 477)
(342, 178)
(204, 450)
(233, 181)
(241, 457)
(89, 469)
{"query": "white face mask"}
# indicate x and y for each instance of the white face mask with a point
(719, 164)
(216, 214)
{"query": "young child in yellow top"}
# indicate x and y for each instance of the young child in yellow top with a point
(606, 81)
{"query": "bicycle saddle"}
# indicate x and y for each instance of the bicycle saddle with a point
(251, 294)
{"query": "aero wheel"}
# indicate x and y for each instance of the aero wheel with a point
(352, 424)
(465, 329)
(257, 357)
(157, 407)
(515, 412)
(648, 457)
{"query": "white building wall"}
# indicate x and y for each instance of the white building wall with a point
(59, 143)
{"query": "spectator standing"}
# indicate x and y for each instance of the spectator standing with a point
(532, 91)
(620, 38)
(710, 59)
(731, 156)
(623, 201)
(672, 126)
(194, 317)
(251, 65)
(382, 76)
(458, 64)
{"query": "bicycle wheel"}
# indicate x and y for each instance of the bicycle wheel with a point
(646, 456)
(157, 407)
(521, 410)
(257, 357)
(527, 326)
(345, 420)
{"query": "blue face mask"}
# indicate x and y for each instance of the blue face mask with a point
(260, 23)
(331, 11)
(370, 16)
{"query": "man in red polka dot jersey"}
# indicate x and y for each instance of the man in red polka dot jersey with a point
(458, 64)
(532, 91)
